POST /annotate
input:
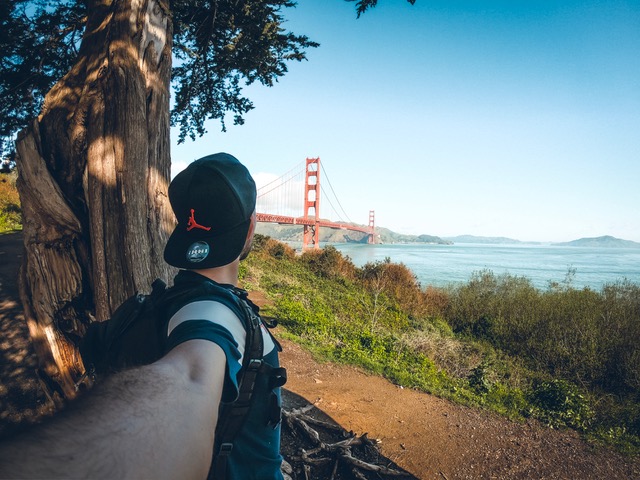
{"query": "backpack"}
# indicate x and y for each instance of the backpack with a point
(133, 336)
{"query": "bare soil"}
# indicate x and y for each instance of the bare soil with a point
(428, 437)
(435, 439)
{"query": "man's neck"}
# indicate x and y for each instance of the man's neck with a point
(227, 274)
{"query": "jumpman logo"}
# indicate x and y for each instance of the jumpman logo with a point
(191, 224)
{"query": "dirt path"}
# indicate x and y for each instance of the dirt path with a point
(429, 437)
(21, 400)
(435, 439)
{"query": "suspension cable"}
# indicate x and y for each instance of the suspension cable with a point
(334, 195)
(281, 178)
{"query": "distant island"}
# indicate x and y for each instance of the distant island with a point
(605, 241)
(484, 240)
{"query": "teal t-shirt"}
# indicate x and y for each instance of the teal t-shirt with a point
(256, 449)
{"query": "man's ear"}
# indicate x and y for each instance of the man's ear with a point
(252, 227)
(248, 243)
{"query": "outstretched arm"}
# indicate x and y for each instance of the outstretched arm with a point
(156, 421)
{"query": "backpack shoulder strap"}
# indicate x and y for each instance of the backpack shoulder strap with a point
(233, 415)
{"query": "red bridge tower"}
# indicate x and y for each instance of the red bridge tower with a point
(311, 235)
(372, 227)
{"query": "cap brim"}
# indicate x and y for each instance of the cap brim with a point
(223, 248)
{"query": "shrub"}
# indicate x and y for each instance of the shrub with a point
(621, 319)
(398, 283)
(10, 212)
(436, 301)
(259, 241)
(267, 245)
(506, 400)
(579, 335)
(560, 403)
(295, 316)
(328, 263)
(471, 308)
(451, 355)
(479, 380)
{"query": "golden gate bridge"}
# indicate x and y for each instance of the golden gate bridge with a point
(282, 196)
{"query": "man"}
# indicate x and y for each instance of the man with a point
(158, 421)
(214, 201)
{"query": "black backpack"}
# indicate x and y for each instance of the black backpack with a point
(131, 337)
(134, 336)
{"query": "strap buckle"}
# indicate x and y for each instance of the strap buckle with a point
(255, 364)
(225, 449)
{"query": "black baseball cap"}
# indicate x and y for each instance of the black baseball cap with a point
(213, 200)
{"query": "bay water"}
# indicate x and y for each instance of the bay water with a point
(441, 265)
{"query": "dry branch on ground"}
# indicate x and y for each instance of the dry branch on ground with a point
(319, 449)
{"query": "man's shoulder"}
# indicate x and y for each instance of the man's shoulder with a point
(209, 309)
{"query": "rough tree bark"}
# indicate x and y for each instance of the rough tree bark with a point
(93, 175)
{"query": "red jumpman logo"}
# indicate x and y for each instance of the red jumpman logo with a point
(191, 224)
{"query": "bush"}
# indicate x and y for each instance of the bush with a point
(471, 306)
(580, 335)
(398, 283)
(456, 358)
(10, 212)
(271, 247)
(436, 301)
(560, 403)
(328, 263)
(478, 379)
(621, 319)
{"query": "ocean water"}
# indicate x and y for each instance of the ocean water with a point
(440, 265)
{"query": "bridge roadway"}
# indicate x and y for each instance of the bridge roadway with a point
(268, 218)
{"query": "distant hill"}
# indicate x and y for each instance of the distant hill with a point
(387, 236)
(485, 240)
(291, 233)
(606, 241)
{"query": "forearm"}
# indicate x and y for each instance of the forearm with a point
(156, 421)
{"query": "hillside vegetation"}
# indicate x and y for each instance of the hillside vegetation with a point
(565, 356)
(10, 214)
(568, 357)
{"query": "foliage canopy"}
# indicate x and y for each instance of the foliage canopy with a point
(219, 46)
(364, 5)
(38, 44)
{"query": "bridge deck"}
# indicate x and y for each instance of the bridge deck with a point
(268, 218)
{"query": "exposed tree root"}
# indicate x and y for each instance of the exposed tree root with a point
(349, 457)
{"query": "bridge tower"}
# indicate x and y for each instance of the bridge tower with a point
(372, 227)
(311, 235)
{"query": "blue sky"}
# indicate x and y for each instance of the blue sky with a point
(494, 118)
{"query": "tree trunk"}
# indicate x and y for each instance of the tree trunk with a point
(93, 175)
